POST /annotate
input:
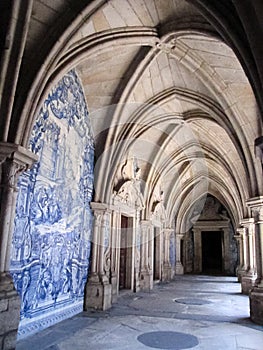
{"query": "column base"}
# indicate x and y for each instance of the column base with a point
(240, 273)
(179, 269)
(247, 283)
(137, 286)
(146, 280)
(9, 313)
(98, 293)
(167, 273)
(256, 305)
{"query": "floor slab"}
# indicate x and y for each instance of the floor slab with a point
(211, 314)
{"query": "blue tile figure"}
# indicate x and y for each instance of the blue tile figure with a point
(51, 241)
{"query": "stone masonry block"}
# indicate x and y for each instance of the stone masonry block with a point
(9, 341)
(9, 321)
(3, 305)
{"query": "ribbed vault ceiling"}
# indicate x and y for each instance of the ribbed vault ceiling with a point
(162, 86)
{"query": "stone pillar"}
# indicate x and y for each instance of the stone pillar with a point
(179, 269)
(189, 260)
(239, 240)
(146, 280)
(167, 269)
(14, 159)
(249, 275)
(115, 245)
(197, 250)
(226, 250)
(137, 255)
(98, 288)
(256, 293)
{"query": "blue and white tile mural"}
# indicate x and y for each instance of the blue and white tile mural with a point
(51, 241)
(172, 250)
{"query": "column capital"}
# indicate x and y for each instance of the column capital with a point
(256, 206)
(146, 223)
(247, 222)
(167, 232)
(17, 154)
(240, 230)
(101, 207)
(249, 225)
(255, 202)
(167, 229)
(14, 159)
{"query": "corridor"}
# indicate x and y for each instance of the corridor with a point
(190, 312)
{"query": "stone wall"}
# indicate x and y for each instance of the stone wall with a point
(9, 316)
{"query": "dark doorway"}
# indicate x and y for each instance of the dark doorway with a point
(212, 252)
(125, 254)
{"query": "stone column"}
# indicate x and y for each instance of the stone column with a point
(245, 249)
(115, 245)
(167, 269)
(137, 255)
(146, 280)
(98, 288)
(256, 293)
(197, 250)
(188, 261)
(226, 250)
(239, 240)
(249, 275)
(14, 159)
(179, 269)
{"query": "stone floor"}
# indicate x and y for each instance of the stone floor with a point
(191, 312)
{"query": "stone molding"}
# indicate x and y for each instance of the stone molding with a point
(256, 206)
(22, 157)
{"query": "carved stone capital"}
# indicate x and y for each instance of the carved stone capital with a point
(167, 233)
(256, 206)
(100, 210)
(241, 231)
(179, 236)
(14, 159)
(17, 153)
(248, 225)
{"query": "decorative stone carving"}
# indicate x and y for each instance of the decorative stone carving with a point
(167, 47)
(159, 211)
(13, 160)
(130, 191)
(211, 210)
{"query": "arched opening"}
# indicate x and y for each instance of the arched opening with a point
(176, 99)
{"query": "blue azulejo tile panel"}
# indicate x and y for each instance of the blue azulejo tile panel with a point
(51, 240)
(172, 250)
